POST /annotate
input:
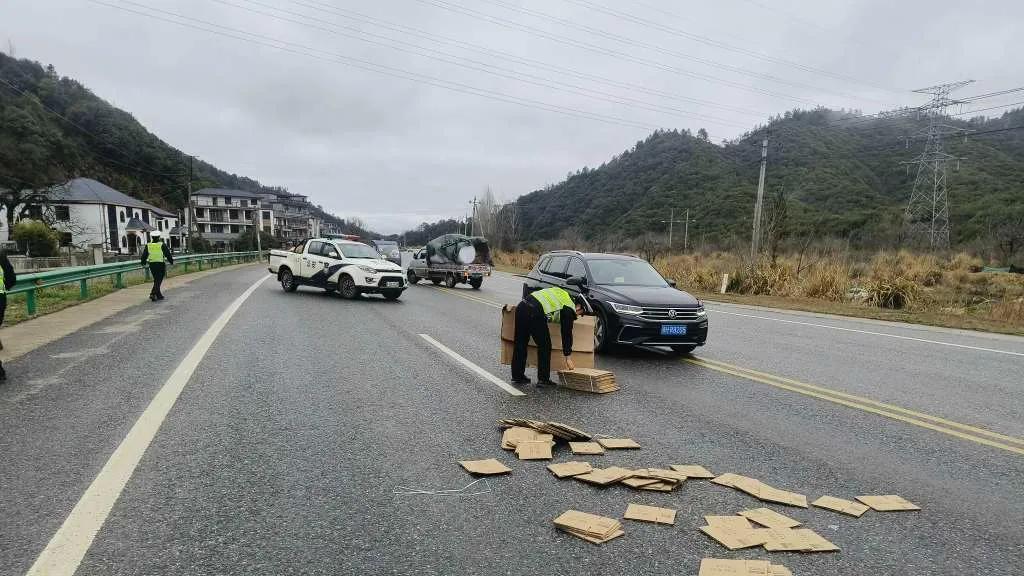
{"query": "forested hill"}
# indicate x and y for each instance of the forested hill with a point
(39, 148)
(840, 174)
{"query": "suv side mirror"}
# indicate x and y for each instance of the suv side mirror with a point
(576, 281)
(671, 283)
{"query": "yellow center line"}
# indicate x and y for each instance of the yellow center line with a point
(893, 412)
(863, 400)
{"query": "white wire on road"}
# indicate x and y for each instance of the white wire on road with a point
(925, 340)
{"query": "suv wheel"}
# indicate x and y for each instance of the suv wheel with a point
(602, 343)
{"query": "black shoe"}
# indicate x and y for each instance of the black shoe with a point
(152, 297)
(546, 382)
(3, 374)
(160, 297)
(523, 380)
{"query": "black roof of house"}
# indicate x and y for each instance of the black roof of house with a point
(89, 191)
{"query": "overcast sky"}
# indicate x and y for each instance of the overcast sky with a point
(502, 93)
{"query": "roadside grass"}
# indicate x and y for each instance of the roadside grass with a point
(899, 286)
(55, 298)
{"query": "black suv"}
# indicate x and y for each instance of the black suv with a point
(633, 303)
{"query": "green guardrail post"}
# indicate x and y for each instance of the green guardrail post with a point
(200, 265)
(30, 301)
(83, 289)
(186, 267)
(118, 280)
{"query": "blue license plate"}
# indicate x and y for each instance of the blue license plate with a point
(673, 330)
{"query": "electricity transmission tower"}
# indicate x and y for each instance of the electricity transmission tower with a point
(927, 214)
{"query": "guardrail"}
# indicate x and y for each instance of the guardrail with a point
(28, 284)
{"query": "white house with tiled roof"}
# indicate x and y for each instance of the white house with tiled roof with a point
(87, 213)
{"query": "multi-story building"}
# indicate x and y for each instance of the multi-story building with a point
(86, 212)
(222, 216)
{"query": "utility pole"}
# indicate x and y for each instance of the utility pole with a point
(686, 232)
(188, 210)
(671, 224)
(256, 226)
(755, 243)
(475, 202)
(927, 213)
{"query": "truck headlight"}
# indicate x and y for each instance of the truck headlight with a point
(626, 308)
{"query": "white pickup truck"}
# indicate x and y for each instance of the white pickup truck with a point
(350, 268)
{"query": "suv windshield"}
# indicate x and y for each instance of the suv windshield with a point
(359, 251)
(386, 248)
(625, 273)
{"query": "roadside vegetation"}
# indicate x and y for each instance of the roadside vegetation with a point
(950, 291)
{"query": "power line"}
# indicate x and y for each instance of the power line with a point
(370, 66)
(505, 23)
(485, 67)
(722, 45)
(656, 48)
(447, 40)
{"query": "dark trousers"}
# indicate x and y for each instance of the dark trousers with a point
(530, 322)
(158, 270)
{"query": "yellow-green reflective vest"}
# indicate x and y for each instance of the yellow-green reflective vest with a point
(3, 286)
(156, 252)
(552, 300)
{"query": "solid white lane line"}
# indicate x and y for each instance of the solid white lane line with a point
(68, 546)
(965, 346)
(478, 370)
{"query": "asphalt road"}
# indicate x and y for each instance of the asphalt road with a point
(284, 451)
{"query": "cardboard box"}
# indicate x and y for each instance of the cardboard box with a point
(582, 342)
(582, 331)
(580, 359)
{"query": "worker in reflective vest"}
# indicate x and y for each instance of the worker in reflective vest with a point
(7, 280)
(550, 305)
(157, 255)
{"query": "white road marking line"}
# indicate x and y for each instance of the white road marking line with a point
(965, 346)
(480, 371)
(69, 545)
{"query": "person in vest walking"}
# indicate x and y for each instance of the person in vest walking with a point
(158, 256)
(7, 280)
(554, 305)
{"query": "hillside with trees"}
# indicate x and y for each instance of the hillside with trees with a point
(52, 129)
(830, 176)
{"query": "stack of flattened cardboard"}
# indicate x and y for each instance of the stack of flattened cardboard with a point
(556, 429)
(693, 470)
(582, 342)
(717, 567)
(656, 479)
(605, 476)
(511, 437)
(736, 532)
(566, 469)
(588, 380)
(760, 490)
(590, 527)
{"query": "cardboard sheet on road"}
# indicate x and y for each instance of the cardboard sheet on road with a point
(888, 503)
(769, 518)
(566, 469)
(760, 490)
(855, 509)
(719, 567)
(653, 514)
(605, 476)
(797, 540)
(692, 471)
(512, 436)
(486, 467)
(640, 482)
(586, 448)
(733, 522)
(618, 443)
(534, 450)
(736, 539)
